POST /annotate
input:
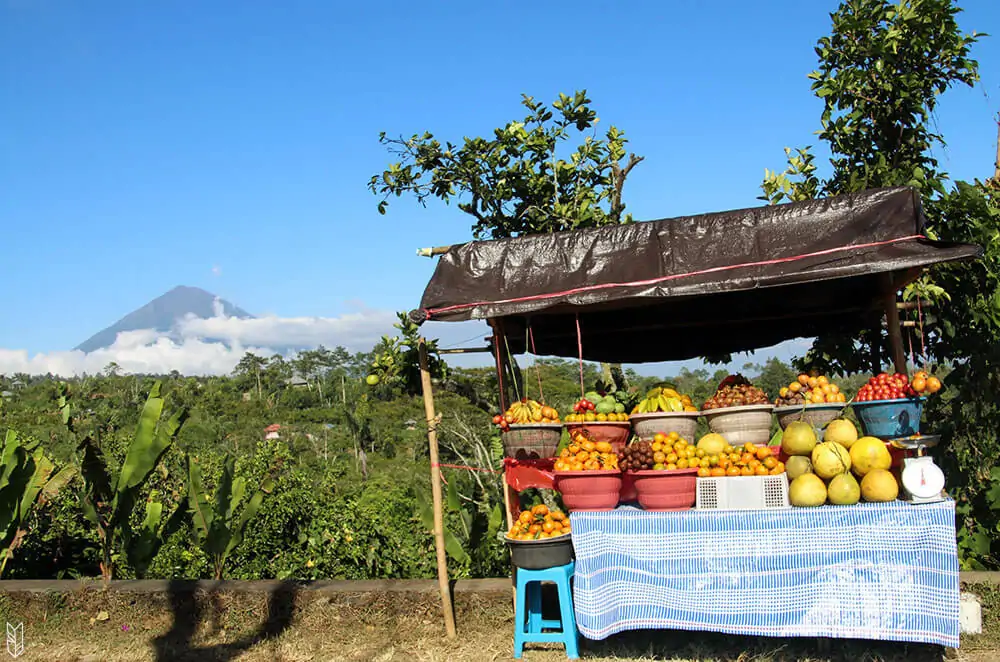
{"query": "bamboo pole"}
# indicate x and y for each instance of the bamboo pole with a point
(442, 561)
(431, 252)
(892, 325)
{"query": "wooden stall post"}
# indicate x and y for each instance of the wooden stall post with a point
(892, 325)
(442, 561)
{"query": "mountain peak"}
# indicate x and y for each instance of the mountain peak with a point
(162, 314)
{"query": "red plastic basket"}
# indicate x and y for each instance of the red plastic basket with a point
(589, 490)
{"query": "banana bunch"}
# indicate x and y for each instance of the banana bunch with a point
(524, 411)
(664, 398)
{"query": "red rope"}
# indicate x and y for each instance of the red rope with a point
(662, 279)
(579, 347)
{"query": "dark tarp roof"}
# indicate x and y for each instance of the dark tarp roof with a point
(695, 285)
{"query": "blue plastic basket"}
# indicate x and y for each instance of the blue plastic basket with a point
(887, 419)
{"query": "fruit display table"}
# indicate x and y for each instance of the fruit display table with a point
(869, 571)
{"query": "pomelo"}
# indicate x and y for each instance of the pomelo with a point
(843, 490)
(869, 453)
(807, 491)
(879, 485)
(799, 438)
(797, 465)
(712, 443)
(830, 459)
(841, 431)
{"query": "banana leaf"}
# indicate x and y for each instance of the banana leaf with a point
(97, 480)
(452, 545)
(249, 512)
(202, 514)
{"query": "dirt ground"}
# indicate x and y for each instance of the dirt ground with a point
(289, 625)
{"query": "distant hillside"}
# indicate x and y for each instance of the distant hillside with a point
(162, 313)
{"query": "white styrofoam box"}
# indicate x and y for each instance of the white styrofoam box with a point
(743, 492)
(970, 614)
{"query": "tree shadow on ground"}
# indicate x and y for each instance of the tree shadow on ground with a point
(188, 609)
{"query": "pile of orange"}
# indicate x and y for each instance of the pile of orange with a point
(812, 389)
(746, 460)
(585, 454)
(539, 523)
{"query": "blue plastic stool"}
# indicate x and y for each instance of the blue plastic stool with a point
(528, 621)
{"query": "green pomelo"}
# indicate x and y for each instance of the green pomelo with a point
(841, 431)
(799, 438)
(830, 459)
(843, 490)
(879, 486)
(712, 443)
(798, 465)
(807, 491)
(868, 454)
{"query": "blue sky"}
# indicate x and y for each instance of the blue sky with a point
(228, 144)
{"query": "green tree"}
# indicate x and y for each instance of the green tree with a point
(881, 72)
(396, 364)
(248, 371)
(514, 183)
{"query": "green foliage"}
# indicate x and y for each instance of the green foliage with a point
(515, 183)
(396, 364)
(216, 526)
(881, 71)
(108, 501)
(26, 476)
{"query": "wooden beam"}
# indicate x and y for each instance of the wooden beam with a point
(466, 350)
(431, 252)
(442, 560)
(897, 352)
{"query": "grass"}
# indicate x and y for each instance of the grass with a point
(292, 626)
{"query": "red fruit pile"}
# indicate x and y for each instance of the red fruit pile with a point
(886, 387)
(583, 406)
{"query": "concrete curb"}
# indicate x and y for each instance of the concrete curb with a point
(317, 587)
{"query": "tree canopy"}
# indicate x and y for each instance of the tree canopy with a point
(519, 181)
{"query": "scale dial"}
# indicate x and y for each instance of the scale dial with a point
(922, 478)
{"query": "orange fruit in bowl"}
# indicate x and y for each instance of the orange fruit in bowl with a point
(659, 438)
(733, 471)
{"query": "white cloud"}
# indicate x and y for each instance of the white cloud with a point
(216, 270)
(208, 346)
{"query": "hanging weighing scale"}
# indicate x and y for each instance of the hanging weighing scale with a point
(921, 479)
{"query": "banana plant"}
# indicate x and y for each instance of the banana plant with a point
(476, 527)
(109, 502)
(27, 478)
(216, 526)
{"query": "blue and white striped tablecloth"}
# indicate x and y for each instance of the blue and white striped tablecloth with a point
(870, 571)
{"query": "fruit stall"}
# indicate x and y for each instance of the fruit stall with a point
(836, 525)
